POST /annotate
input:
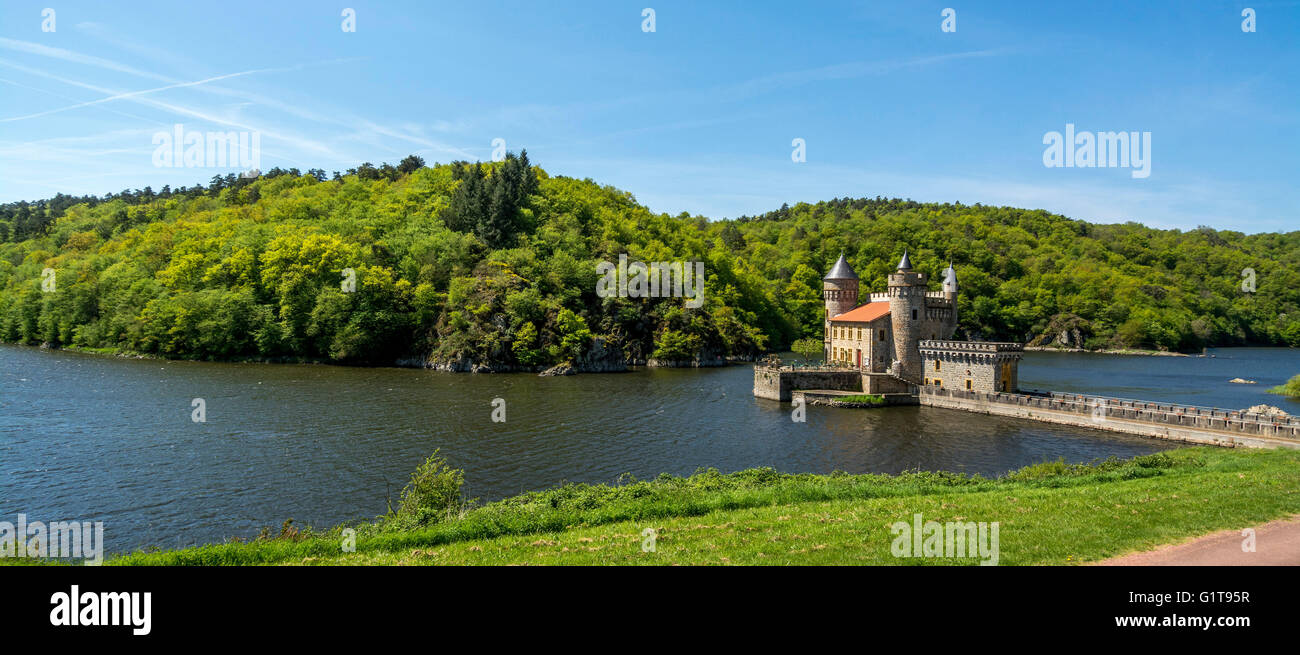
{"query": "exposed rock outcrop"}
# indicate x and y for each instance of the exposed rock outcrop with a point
(1266, 410)
(602, 357)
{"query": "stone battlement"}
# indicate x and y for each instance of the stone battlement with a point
(973, 346)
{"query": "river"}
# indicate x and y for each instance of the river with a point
(97, 438)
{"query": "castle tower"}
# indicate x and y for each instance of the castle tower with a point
(950, 294)
(840, 292)
(907, 315)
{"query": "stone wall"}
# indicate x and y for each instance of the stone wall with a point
(777, 383)
(884, 383)
(971, 365)
(1201, 425)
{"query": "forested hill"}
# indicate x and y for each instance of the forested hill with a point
(1031, 275)
(495, 265)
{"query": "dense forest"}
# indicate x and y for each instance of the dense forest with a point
(1030, 275)
(494, 265)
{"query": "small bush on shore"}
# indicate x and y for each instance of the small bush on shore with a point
(1291, 388)
(433, 492)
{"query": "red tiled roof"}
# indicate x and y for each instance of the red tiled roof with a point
(866, 313)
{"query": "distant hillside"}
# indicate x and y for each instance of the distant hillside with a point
(1031, 275)
(464, 265)
(494, 265)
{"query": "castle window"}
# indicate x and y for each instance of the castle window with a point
(968, 385)
(936, 365)
(882, 335)
(913, 314)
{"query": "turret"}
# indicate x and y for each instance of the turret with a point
(907, 315)
(840, 293)
(950, 294)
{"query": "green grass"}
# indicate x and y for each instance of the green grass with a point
(1050, 513)
(862, 398)
(1291, 388)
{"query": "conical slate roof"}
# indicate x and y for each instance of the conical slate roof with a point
(950, 277)
(841, 270)
(906, 263)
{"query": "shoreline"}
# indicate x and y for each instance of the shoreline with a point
(1119, 351)
(406, 362)
(557, 525)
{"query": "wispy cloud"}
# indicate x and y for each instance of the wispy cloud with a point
(848, 70)
(356, 129)
(296, 141)
(131, 94)
(76, 58)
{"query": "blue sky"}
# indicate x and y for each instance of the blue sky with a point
(697, 116)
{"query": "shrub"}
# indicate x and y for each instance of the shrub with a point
(1291, 388)
(433, 492)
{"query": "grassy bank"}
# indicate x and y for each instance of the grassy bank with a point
(1049, 513)
(1290, 389)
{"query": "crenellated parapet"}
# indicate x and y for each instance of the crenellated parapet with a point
(972, 346)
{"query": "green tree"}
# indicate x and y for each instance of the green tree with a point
(807, 348)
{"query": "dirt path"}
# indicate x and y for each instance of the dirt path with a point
(1277, 543)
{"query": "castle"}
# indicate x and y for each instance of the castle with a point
(905, 334)
(898, 346)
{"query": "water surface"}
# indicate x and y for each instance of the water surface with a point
(101, 438)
